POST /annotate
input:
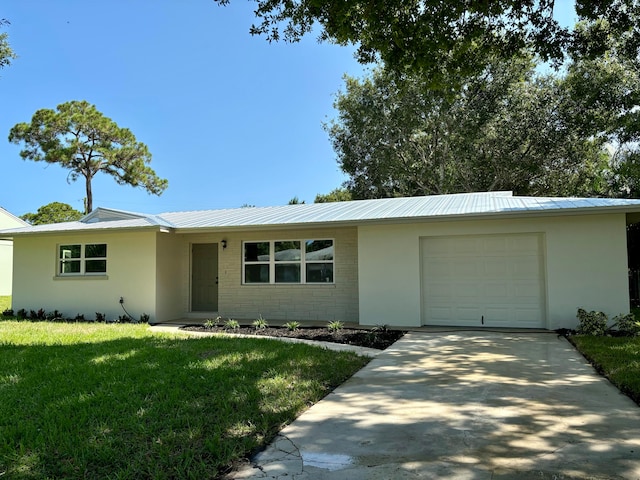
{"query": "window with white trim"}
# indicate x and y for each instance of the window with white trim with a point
(82, 259)
(288, 261)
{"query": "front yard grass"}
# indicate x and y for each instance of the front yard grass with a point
(97, 401)
(617, 358)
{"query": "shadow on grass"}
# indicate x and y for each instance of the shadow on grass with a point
(153, 407)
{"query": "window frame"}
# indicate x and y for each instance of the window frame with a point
(302, 263)
(82, 260)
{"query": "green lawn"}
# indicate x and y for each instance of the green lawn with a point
(97, 401)
(5, 302)
(618, 358)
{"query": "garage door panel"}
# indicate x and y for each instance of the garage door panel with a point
(468, 279)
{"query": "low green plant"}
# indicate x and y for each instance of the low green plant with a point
(231, 324)
(7, 313)
(260, 323)
(124, 319)
(101, 317)
(335, 326)
(627, 325)
(292, 326)
(591, 323)
(79, 317)
(210, 324)
(144, 318)
(22, 314)
(384, 328)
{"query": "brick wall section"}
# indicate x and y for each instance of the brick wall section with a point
(338, 301)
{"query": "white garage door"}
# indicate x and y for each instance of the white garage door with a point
(483, 280)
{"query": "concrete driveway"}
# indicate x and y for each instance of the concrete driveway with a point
(463, 405)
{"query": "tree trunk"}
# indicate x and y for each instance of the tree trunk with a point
(89, 203)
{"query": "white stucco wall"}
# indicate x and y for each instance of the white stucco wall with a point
(585, 261)
(7, 220)
(6, 266)
(131, 266)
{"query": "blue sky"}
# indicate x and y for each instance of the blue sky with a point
(229, 118)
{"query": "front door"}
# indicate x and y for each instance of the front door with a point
(204, 277)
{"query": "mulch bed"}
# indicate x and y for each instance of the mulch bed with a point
(361, 338)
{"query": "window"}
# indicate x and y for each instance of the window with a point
(88, 259)
(288, 261)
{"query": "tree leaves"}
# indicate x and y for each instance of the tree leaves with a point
(54, 212)
(79, 138)
(505, 129)
(438, 39)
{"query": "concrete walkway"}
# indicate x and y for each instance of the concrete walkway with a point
(463, 406)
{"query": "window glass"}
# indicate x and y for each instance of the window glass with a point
(70, 266)
(288, 261)
(70, 251)
(96, 266)
(256, 252)
(82, 259)
(256, 273)
(288, 273)
(95, 250)
(318, 250)
(319, 272)
(287, 251)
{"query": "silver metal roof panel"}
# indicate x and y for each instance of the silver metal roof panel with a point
(352, 212)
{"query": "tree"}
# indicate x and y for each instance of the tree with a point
(433, 36)
(54, 212)
(296, 201)
(79, 138)
(6, 53)
(335, 195)
(504, 130)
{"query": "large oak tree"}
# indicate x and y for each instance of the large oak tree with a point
(81, 139)
(507, 128)
(435, 36)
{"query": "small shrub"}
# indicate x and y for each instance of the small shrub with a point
(260, 323)
(591, 323)
(55, 315)
(210, 323)
(22, 314)
(79, 317)
(335, 326)
(627, 325)
(33, 315)
(101, 317)
(124, 319)
(380, 328)
(144, 318)
(7, 313)
(292, 326)
(231, 324)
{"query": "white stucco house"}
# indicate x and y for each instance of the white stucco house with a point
(477, 259)
(7, 220)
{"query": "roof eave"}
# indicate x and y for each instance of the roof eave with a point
(159, 228)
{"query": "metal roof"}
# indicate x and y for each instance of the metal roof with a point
(353, 212)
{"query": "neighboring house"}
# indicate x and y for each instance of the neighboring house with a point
(477, 259)
(7, 220)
